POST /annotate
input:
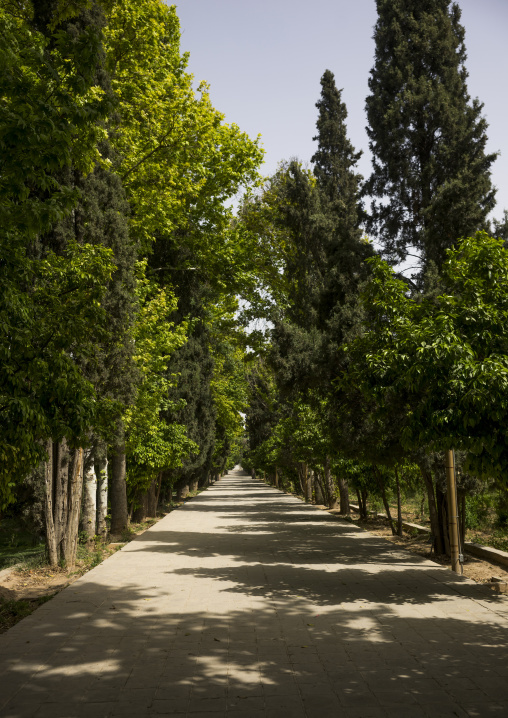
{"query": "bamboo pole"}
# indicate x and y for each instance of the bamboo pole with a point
(452, 511)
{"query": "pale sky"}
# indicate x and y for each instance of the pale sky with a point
(264, 59)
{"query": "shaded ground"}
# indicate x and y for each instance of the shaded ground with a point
(247, 602)
(474, 568)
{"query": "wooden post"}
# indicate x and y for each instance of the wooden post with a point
(452, 511)
(399, 503)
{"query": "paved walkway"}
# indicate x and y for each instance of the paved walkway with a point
(248, 603)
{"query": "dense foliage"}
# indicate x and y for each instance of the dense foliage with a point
(118, 261)
(367, 377)
(128, 284)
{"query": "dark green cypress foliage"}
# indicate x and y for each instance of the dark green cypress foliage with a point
(301, 214)
(101, 218)
(297, 335)
(263, 411)
(339, 184)
(500, 227)
(194, 366)
(327, 264)
(190, 401)
(431, 173)
(335, 159)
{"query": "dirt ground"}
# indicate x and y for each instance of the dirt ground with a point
(20, 583)
(475, 568)
(27, 584)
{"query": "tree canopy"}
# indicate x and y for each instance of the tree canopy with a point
(129, 283)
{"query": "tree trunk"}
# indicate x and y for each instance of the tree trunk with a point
(60, 491)
(433, 512)
(118, 491)
(276, 478)
(318, 489)
(344, 496)
(382, 489)
(101, 472)
(362, 503)
(51, 542)
(329, 485)
(141, 511)
(152, 499)
(75, 494)
(307, 483)
(301, 479)
(89, 510)
(399, 504)
(194, 485)
(182, 490)
(158, 493)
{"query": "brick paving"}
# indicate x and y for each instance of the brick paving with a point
(247, 602)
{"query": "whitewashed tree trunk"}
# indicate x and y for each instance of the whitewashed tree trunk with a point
(89, 511)
(101, 472)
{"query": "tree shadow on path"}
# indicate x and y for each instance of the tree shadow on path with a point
(261, 616)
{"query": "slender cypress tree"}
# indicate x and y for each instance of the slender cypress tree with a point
(339, 183)
(100, 218)
(326, 264)
(190, 400)
(335, 159)
(431, 172)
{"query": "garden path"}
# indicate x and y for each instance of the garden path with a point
(246, 602)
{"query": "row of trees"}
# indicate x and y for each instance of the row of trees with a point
(121, 356)
(122, 351)
(369, 375)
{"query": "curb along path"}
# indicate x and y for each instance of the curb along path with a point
(247, 602)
